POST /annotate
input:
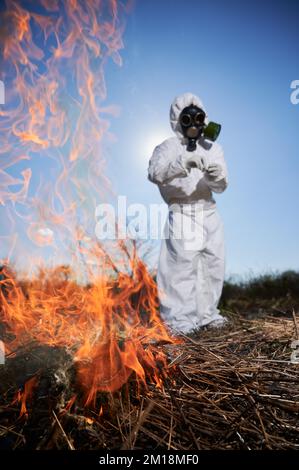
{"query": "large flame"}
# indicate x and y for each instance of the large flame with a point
(52, 176)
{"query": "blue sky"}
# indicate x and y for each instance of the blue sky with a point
(240, 58)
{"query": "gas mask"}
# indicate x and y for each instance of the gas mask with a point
(192, 120)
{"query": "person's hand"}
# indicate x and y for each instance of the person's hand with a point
(214, 172)
(195, 161)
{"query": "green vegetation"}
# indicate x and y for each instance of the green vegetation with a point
(268, 293)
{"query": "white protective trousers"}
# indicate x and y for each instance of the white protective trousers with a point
(190, 280)
(190, 274)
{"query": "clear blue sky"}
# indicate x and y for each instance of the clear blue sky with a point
(240, 58)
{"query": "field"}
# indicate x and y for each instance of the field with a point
(231, 388)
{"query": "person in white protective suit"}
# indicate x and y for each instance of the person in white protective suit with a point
(191, 270)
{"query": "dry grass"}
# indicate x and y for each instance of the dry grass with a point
(234, 388)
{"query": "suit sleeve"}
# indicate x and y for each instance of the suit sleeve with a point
(220, 184)
(165, 164)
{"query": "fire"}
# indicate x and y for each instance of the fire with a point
(111, 326)
(26, 395)
(98, 304)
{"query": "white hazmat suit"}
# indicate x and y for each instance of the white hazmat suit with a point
(190, 276)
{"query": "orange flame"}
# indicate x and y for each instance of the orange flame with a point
(111, 326)
(23, 396)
